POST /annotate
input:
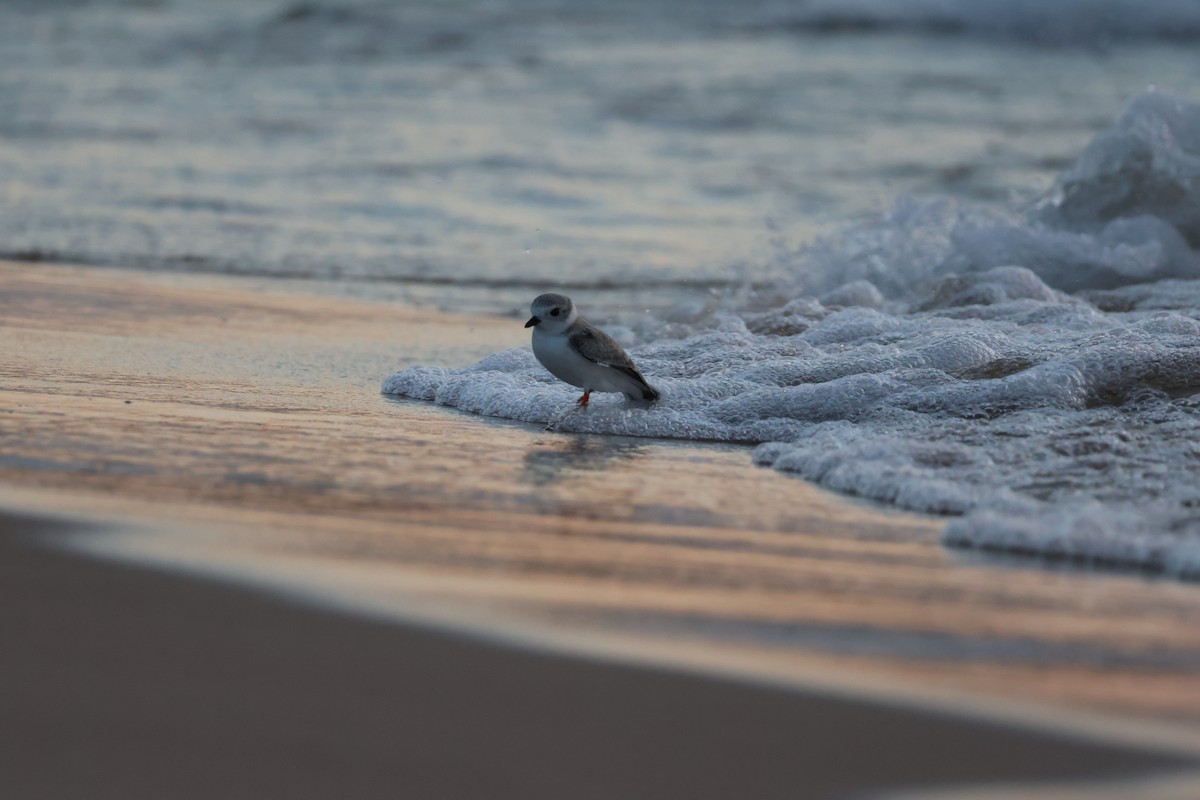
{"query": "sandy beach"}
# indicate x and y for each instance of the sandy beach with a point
(233, 428)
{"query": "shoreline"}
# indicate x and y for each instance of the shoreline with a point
(244, 428)
(128, 669)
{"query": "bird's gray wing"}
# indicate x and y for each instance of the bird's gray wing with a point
(596, 345)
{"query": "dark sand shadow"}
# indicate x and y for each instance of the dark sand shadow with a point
(124, 682)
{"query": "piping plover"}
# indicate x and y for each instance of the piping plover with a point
(581, 354)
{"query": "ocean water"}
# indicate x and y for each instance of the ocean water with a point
(937, 254)
(638, 150)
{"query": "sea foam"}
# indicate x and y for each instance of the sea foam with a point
(1035, 373)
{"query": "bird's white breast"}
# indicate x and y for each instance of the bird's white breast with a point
(557, 355)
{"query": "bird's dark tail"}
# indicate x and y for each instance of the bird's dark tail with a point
(648, 393)
(643, 391)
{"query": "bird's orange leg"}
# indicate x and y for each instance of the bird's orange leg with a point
(583, 401)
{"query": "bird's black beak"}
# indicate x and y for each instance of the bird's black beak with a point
(532, 321)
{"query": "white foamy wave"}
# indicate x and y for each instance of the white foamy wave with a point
(1063, 22)
(1146, 166)
(1039, 378)
(1128, 211)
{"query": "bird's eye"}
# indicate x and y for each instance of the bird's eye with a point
(554, 313)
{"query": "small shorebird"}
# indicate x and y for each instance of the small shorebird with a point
(581, 354)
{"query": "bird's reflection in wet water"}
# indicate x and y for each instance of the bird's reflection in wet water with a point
(560, 459)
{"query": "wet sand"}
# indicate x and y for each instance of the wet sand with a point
(240, 422)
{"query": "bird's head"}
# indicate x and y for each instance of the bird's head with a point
(552, 313)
